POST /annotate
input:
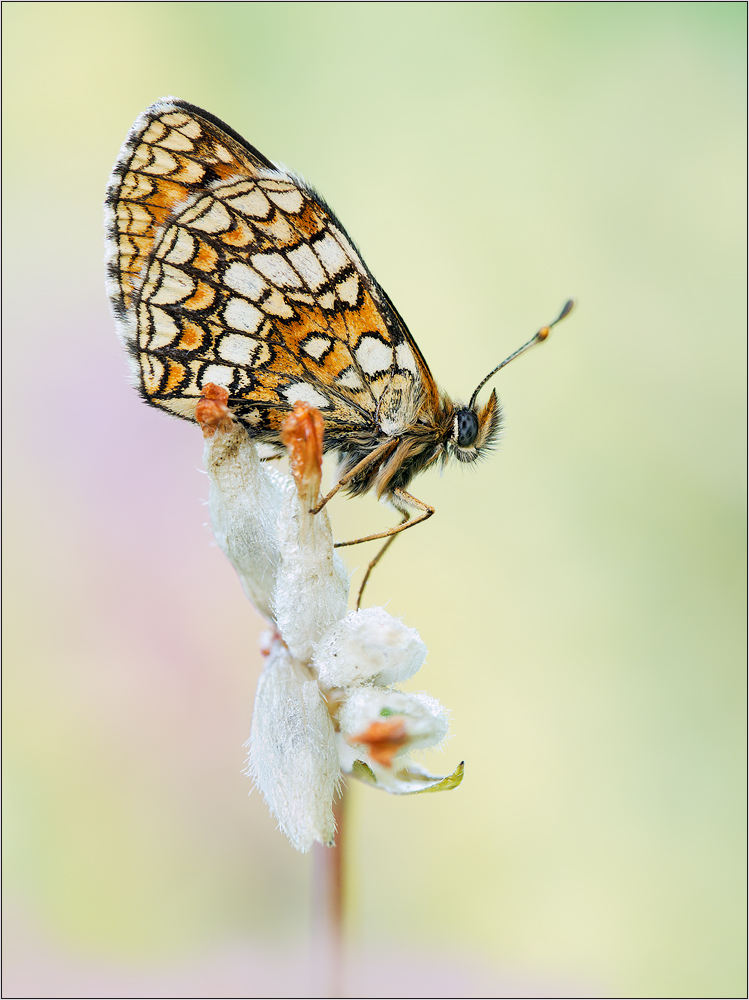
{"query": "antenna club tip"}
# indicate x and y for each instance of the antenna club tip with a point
(569, 305)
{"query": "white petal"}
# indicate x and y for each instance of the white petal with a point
(293, 758)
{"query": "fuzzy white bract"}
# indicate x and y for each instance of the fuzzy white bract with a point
(325, 701)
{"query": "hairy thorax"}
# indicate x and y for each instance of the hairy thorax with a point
(406, 451)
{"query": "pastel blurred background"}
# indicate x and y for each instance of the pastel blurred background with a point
(581, 593)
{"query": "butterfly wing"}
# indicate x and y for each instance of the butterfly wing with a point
(226, 268)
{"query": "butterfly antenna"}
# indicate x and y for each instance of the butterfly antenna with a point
(538, 338)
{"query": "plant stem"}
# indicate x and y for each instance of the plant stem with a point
(328, 905)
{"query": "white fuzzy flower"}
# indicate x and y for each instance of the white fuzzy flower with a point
(324, 701)
(368, 646)
(293, 756)
(312, 584)
(244, 499)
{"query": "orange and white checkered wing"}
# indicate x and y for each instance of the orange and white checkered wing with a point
(226, 268)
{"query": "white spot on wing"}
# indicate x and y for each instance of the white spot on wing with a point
(331, 254)
(219, 374)
(244, 280)
(373, 356)
(254, 204)
(287, 201)
(183, 248)
(222, 152)
(350, 380)
(189, 127)
(176, 141)
(215, 220)
(278, 229)
(304, 297)
(276, 305)
(405, 359)
(242, 315)
(175, 286)
(161, 163)
(304, 392)
(276, 269)
(191, 172)
(315, 346)
(164, 329)
(179, 119)
(307, 264)
(236, 348)
(348, 290)
(154, 132)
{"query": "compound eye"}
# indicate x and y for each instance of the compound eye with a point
(466, 428)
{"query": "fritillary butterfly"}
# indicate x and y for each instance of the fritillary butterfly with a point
(227, 269)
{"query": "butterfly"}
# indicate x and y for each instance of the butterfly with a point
(226, 268)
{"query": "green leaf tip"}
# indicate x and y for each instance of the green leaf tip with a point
(410, 780)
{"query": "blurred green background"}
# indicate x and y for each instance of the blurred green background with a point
(581, 593)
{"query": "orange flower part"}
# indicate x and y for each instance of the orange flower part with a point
(383, 739)
(212, 413)
(302, 433)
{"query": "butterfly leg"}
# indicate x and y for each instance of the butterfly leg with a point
(374, 562)
(400, 499)
(379, 453)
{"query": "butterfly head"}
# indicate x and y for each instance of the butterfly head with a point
(474, 429)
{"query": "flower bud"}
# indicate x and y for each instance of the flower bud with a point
(368, 646)
(385, 724)
(244, 500)
(312, 580)
(302, 434)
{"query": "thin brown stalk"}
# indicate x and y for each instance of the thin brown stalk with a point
(329, 901)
